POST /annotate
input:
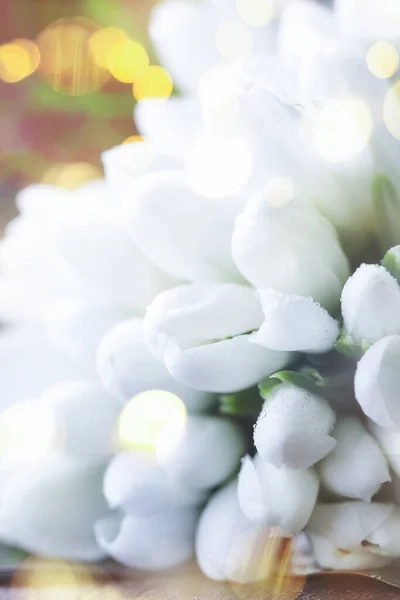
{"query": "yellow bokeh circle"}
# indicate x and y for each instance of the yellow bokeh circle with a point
(126, 60)
(153, 82)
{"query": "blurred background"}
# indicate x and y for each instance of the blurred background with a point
(69, 78)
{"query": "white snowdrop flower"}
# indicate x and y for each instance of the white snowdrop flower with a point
(364, 295)
(270, 253)
(385, 539)
(338, 533)
(158, 541)
(228, 545)
(389, 440)
(207, 452)
(294, 428)
(136, 483)
(50, 508)
(171, 225)
(277, 496)
(126, 367)
(377, 380)
(201, 334)
(295, 323)
(357, 467)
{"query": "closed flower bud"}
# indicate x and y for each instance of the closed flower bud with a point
(356, 467)
(150, 543)
(277, 496)
(270, 254)
(377, 382)
(294, 428)
(201, 334)
(126, 367)
(371, 304)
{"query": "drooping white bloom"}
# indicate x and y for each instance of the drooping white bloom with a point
(136, 483)
(206, 454)
(229, 546)
(385, 539)
(377, 381)
(201, 334)
(295, 323)
(294, 428)
(389, 440)
(126, 367)
(356, 468)
(371, 304)
(154, 542)
(337, 532)
(171, 225)
(270, 253)
(277, 496)
(50, 508)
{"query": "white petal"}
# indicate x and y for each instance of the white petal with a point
(183, 36)
(356, 468)
(50, 509)
(371, 304)
(377, 381)
(126, 367)
(29, 365)
(123, 164)
(386, 538)
(368, 19)
(155, 542)
(269, 251)
(201, 312)
(295, 323)
(80, 408)
(227, 366)
(329, 556)
(347, 524)
(76, 331)
(171, 125)
(207, 453)
(135, 482)
(389, 439)
(293, 428)
(277, 496)
(171, 225)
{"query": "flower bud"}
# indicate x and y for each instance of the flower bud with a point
(365, 294)
(50, 508)
(201, 334)
(126, 367)
(356, 467)
(294, 428)
(377, 382)
(158, 541)
(270, 254)
(207, 452)
(295, 323)
(277, 496)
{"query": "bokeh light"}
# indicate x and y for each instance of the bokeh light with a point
(220, 166)
(38, 576)
(18, 60)
(391, 110)
(383, 60)
(146, 415)
(233, 39)
(102, 44)
(127, 59)
(342, 129)
(279, 191)
(133, 139)
(153, 82)
(28, 431)
(256, 13)
(71, 175)
(66, 62)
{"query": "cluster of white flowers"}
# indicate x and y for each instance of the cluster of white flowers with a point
(214, 262)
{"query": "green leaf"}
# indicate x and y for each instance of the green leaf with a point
(244, 404)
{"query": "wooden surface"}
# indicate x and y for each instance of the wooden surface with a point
(190, 585)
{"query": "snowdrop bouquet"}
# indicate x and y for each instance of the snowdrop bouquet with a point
(238, 268)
